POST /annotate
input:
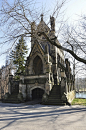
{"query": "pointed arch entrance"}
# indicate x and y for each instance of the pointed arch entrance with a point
(37, 93)
(37, 65)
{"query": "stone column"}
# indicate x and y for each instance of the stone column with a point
(48, 85)
(22, 87)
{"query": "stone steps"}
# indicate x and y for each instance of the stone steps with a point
(12, 99)
(55, 97)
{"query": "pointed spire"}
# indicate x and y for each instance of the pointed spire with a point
(41, 17)
(52, 20)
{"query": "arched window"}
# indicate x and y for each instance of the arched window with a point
(37, 65)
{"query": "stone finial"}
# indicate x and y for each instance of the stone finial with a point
(33, 26)
(41, 17)
(52, 21)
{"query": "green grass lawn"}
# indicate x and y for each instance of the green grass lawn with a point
(78, 101)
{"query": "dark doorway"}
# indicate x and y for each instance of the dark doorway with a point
(37, 65)
(15, 87)
(37, 93)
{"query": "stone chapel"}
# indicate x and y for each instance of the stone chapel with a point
(48, 74)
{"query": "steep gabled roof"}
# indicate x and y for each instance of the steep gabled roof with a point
(42, 26)
(37, 48)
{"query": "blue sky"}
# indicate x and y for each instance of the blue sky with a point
(74, 8)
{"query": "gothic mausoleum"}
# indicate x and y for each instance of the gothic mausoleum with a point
(48, 74)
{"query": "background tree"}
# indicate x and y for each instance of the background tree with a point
(76, 41)
(17, 19)
(18, 56)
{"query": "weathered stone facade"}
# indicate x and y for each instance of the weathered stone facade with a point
(47, 71)
(4, 80)
(45, 66)
(7, 83)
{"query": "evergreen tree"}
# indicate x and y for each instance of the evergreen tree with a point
(18, 56)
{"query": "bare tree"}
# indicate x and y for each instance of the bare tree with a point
(18, 17)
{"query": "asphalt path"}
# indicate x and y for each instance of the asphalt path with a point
(42, 117)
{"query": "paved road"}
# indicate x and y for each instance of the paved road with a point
(42, 117)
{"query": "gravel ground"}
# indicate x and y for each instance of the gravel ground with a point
(42, 117)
